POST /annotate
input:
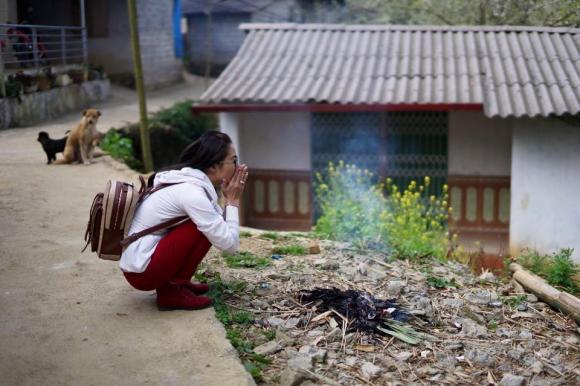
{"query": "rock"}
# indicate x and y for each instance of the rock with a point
(516, 355)
(350, 361)
(512, 380)
(505, 333)
(425, 353)
(403, 356)
(291, 323)
(481, 358)
(289, 353)
(300, 361)
(526, 334)
(481, 296)
(377, 275)
(268, 348)
(452, 303)
(284, 339)
(487, 276)
(395, 287)
(421, 305)
(315, 332)
(314, 353)
(531, 298)
(294, 377)
(370, 371)
(537, 367)
(522, 307)
(362, 268)
(472, 329)
(274, 321)
(314, 248)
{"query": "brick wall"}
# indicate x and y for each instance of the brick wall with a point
(160, 66)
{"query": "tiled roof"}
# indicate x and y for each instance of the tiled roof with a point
(511, 71)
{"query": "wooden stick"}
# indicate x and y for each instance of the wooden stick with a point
(563, 301)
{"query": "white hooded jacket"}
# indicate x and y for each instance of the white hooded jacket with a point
(191, 197)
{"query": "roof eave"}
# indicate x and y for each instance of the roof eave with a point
(336, 108)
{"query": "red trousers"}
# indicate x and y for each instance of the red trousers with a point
(176, 257)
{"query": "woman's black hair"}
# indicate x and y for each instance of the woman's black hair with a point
(206, 151)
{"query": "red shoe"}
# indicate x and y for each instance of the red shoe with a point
(180, 297)
(197, 288)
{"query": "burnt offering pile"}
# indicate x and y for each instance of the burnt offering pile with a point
(361, 312)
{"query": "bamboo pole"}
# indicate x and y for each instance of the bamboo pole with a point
(144, 128)
(563, 301)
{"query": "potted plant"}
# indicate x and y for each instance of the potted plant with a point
(29, 82)
(44, 82)
(78, 76)
(96, 73)
(13, 87)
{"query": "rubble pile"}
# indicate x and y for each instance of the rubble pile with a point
(479, 330)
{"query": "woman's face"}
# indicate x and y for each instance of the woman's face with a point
(228, 166)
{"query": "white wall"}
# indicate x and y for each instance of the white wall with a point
(229, 124)
(479, 146)
(545, 192)
(273, 140)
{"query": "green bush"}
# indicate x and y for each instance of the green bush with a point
(408, 224)
(120, 148)
(180, 118)
(170, 130)
(558, 269)
(414, 222)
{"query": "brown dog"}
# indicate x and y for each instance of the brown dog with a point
(80, 142)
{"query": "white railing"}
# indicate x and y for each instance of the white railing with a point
(26, 46)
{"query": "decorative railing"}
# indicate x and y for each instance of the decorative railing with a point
(278, 199)
(26, 46)
(480, 204)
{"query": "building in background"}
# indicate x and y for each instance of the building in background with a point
(107, 33)
(213, 33)
(491, 111)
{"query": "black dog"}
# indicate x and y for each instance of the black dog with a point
(51, 146)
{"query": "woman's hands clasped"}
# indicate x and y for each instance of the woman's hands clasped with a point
(233, 189)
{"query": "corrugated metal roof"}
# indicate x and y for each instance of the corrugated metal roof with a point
(512, 71)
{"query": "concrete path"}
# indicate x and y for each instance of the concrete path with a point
(68, 318)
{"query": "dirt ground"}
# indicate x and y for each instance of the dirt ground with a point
(481, 330)
(69, 318)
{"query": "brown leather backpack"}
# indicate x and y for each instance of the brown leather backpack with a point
(111, 215)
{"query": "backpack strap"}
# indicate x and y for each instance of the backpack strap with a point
(129, 239)
(166, 224)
